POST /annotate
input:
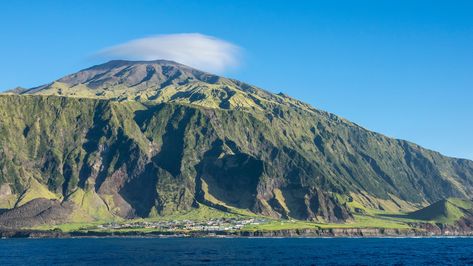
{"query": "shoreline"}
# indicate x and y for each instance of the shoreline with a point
(294, 233)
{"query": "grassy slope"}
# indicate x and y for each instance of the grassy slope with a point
(64, 140)
(204, 213)
(446, 211)
(348, 154)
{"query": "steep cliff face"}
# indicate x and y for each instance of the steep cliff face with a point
(140, 160)
(124, 156)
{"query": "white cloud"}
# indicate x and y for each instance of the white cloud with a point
(192, 49)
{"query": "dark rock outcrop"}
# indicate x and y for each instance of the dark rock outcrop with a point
(37, 212)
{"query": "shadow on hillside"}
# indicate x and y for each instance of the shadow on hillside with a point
(401, 216)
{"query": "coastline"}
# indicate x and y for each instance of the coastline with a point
(293, 233)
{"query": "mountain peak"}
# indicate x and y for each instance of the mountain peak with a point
(135, 73)
(164, 81)
(127, 63)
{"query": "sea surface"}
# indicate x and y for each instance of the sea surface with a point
(237, 251)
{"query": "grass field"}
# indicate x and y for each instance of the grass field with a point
(447, 211)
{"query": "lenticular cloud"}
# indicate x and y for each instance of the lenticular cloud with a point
(192, 49)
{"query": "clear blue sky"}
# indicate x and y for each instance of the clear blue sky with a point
(402, 68)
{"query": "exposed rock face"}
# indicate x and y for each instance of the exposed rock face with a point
(37, 212)
(164, 81)
(163, 137)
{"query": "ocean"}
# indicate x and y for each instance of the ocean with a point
(237, 251)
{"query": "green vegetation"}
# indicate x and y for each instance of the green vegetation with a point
(158, 140)
(202, 213)
(282, 225)
(446, 211)
(68, 227)
(90, 203)
(35, 190)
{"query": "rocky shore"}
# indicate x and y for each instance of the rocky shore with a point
(425, 231)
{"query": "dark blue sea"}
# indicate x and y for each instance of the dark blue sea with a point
(238, 251)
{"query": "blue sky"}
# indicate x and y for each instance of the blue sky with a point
(402, 68)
